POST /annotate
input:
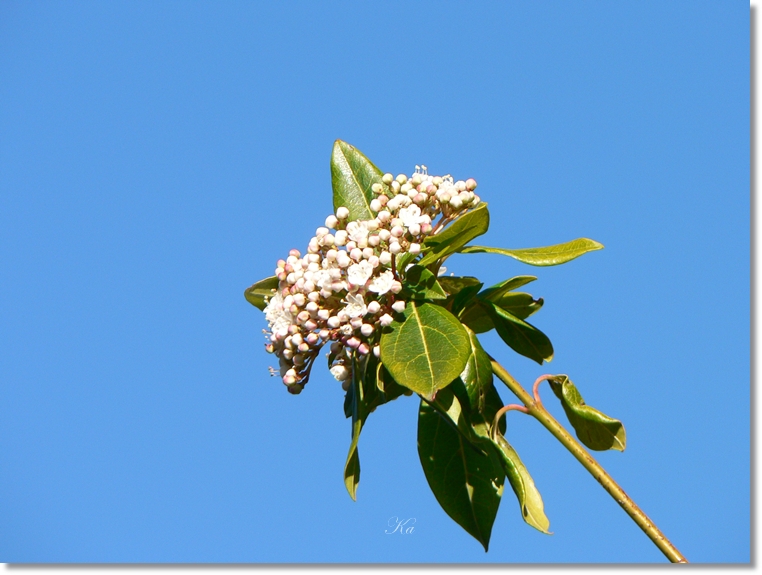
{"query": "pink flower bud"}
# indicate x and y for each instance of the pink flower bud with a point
(366, 329)
(363, 349)
(373, 307)
(470, 184)
(295, 253)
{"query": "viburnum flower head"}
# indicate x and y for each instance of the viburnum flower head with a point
(347, 287)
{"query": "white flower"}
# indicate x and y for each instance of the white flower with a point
(277, 316)
(357, 231)
(340, 372)
(359, 273)
(411, 215)
(355, 306)
(383, 283)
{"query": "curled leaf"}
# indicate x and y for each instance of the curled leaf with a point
(596, 430)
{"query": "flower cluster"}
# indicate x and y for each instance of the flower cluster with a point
(348, 283)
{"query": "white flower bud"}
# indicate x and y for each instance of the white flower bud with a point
(385, 320)
(470, 184)
(395, 248)
(384, 235)
(356, 322)
(331, 222)
(333, 322)
(396, 287)
(398, 231)
(384, 216)
(385, 258)
(323, 314)
(356, 254)
(373, 241)
(414, 229)
(299, 299)
(373, 307)
(320, 232)
(375, 205)
(414, 249)
(401, 178)
(367, 253)
(342, 213)
(398, 306)
(387, 178)
(377, 351)
(395, 186)
(340, 238)
(366, 329)
(377, 188)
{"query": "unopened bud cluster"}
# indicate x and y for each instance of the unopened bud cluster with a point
(346, 287)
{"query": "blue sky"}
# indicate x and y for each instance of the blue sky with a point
(157, 158)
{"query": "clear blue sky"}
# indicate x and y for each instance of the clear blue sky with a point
(156, 158)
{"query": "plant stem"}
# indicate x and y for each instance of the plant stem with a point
(537, 410)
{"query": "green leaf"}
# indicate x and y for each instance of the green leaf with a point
(504, 286)
(530, 501)
(519, 304)
(427, 350)
(455, 284)
(361, 398)
(352, 175)
(521, 336)
(477, 375)
(420, 283)
(456, 235)
(476, 317)
(261, 290)
(546, 256)
(597, 431)
(466, 482)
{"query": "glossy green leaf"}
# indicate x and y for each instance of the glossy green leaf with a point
(545, 256)
(530, 501)
(477, 317)
(504, 286)
(352, 175)
(427, 350)
(594, 429)
(519, 304)
(456, 235)
(455, 284)
(521, 336)
(477, 375)
(361, 398)
(460, 289)
(467, 482)
(260, 291)
(420, 283)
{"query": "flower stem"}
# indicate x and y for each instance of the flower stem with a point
(537, 410)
